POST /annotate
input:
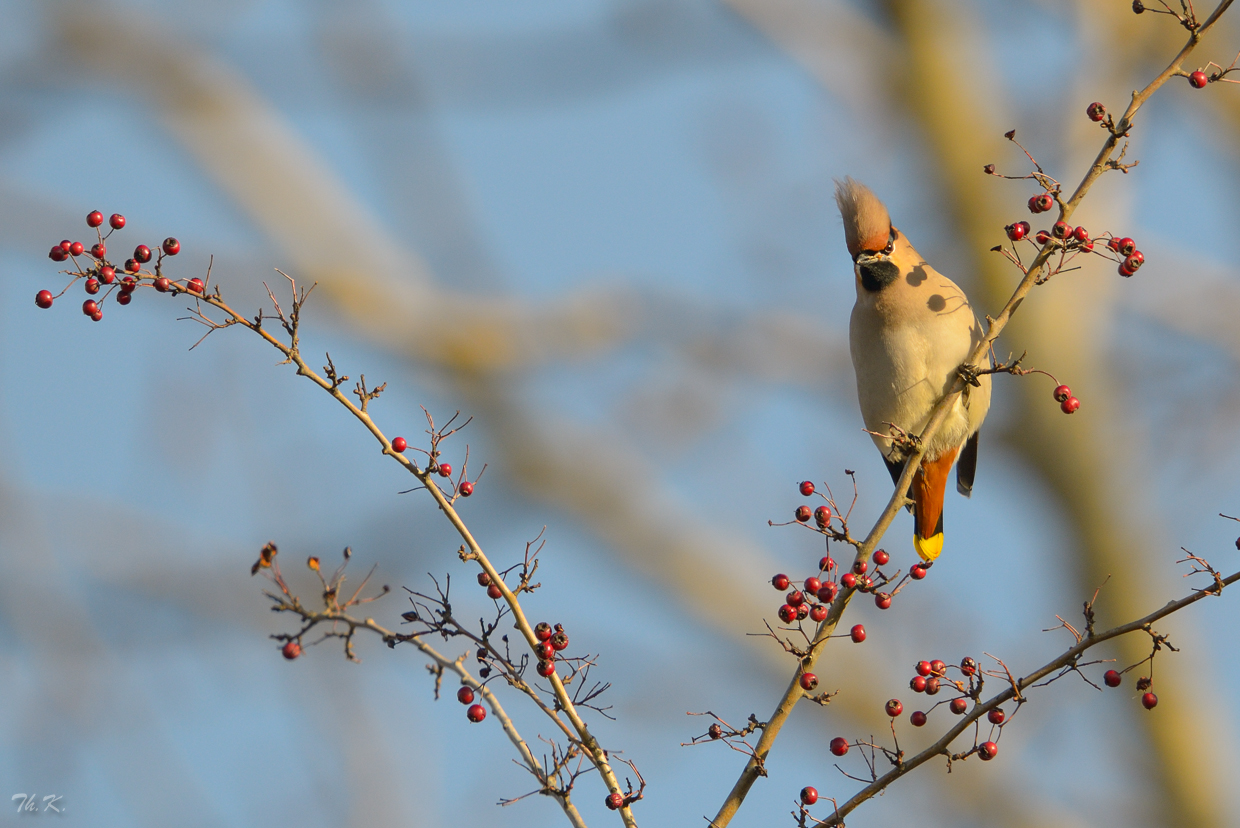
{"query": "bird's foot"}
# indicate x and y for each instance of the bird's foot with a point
(970, 373)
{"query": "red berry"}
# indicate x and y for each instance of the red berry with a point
(1124, 271)
(614, 801)
(1126, 247)
(476, 713)
(795, 598)
(1238, 543)
(787, 613)
(827, 593)
(444, 469)
(932, 686)
(808, 681)
(996, 716)
(959, 705)
(131, 266)
(196, 285)
(172, 246)
(938, 667)
(822, 516)
(839, 746)
(1045, 202)
(1016, 231)
(1025, 228)
(818, 613)
(89, 307)
(918, 718)
(1042, 237)
(826, 564)
(881, 557)
(812, 585)
(545, 651)
(76, 249)
(1062, 392)
(1113, 244)
(1096, 111)
(546, 668)
(1061, 230)
(107, 274)
(917, 572)
(1148, 701)
(124, 298)
(58, 254)
(465, 695)
(882, 600)
(128, 284)
(116, 221)
(857, 634)
(1081, 234)
(142, 253)
(917, 684)
(98, 250)
(65, 244)
(291, 650)
(780, 582)
(542, 631)
(860, 567)
(809, 796)
(559, 640)
(988, 751)
(803, 513)
(43, 299)
(94, 218)
(807, 488)
(1133, 263)
(802, 612)
(92, 286)
(1033, 204)
(162, 284)
(924, 668)
(894, 708)
(1069, 405)
(968, 666)
(849, 580)
(466, 489)
(399, 444)
(494, 592)
(1197, 80)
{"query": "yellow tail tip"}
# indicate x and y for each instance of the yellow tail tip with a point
(928, 548)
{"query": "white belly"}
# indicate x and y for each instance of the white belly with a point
(901, 373)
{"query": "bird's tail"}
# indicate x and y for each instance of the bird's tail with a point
(929, 486)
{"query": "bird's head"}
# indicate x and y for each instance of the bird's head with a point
(869, 234)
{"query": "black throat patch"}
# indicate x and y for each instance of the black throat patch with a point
(877, 275)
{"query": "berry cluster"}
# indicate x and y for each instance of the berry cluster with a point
(1076, 239)
(800, 604)
(1067, 403)
(930, 678)
(99, 273)
(550, 641)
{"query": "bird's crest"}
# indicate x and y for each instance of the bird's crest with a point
(866, 222)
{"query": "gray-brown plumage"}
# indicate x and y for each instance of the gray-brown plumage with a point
(911, 328)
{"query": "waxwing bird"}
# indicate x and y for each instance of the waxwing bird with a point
(910, 331)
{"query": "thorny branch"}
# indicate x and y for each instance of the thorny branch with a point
(340, 624)
(1066, 662)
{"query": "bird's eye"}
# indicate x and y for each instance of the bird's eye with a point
(891, 243)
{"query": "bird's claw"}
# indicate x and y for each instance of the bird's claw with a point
(970, 373)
